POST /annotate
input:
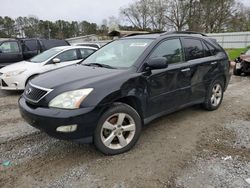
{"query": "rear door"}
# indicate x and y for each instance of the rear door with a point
(202, 66)
(30, 48)
(167, 88)
(10, 52)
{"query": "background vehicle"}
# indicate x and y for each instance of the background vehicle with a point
(16, 76)
(242, 64)
(14, 50)
(125, 84)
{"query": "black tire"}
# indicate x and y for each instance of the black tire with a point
(237, 72)
(115, 110)
(208, 104)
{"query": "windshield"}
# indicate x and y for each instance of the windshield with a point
(248, 52)
(119, 54)
(45, 55)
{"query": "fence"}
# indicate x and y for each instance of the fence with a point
(232, 40)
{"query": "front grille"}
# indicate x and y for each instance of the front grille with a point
(35, 93)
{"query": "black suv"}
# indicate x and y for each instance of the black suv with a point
(14, 50)
(127, 83)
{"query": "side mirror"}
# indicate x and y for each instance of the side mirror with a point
(1, 51)
(56, 60)
(157, 63)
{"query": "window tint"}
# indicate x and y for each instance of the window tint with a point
(193, 48)
(69, 55)
(30, 45)
(212, 49)
(9, 47)
(86, 52)
(170, 49)
(207, 50)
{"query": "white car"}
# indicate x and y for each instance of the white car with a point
(17, 75)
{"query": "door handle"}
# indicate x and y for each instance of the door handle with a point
(214, 63)
(185, 70)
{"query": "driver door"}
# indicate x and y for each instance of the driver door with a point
(66, 58)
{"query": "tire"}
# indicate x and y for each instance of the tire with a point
(214, 95)
(237, 72)
(108, 127)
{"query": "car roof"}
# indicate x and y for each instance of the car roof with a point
(74, 47)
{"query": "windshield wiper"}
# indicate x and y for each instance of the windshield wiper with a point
(100, 65)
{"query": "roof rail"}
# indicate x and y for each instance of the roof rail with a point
(150, 33)
(184, 32)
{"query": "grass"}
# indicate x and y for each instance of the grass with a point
(234, 53)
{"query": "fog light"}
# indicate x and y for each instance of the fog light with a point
(66, 129)
(14, 85)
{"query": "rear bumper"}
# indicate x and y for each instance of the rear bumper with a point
(49, 119)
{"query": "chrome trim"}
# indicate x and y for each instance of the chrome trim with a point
(38, 87)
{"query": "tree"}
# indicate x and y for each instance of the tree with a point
(138, 14)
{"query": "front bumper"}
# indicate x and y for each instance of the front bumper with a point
(12, 83)
(49, 119)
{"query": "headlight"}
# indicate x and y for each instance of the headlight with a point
(14, 73)
(70, 99)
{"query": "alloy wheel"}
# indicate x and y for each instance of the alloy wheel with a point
(118, 131)
(216, 95)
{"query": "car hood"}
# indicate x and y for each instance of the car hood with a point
(74, 76)
(19, 66)
(245, 58)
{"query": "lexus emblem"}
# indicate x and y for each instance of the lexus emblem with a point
(28, 91)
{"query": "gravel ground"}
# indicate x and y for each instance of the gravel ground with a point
(190, 148)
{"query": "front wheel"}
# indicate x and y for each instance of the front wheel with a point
(214, 95)
(118, 129)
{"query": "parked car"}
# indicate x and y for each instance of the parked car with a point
(17, 75)
(124, 85)
(15, 50)
(242, 64)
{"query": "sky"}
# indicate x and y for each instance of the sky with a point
(71, 10)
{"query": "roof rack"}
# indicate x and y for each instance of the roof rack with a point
(149, 33)
(184, 32)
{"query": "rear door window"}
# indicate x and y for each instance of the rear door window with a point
(193, 48)
(212, 49)
(9, 47)
(86, 52)
(170, 49)
(69, 55)
(207, 50)
(31, 45)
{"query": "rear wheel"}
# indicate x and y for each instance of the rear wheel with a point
(118, 130)
(214, 95)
